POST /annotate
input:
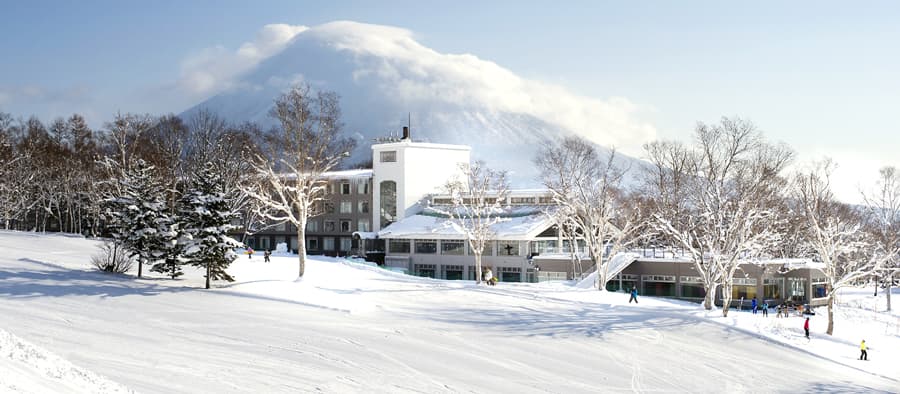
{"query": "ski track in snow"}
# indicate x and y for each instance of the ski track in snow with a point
(348, 327)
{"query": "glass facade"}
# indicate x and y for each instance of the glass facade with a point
(454, 247)
(398, 246)
(388, 202)
(426, 246)
(773, 288)
(796, 289)
(508, 248)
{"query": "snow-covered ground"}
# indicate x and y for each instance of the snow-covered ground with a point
(350, 327)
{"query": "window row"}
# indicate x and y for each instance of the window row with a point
(344, 187)
(455, 247)
(328, 244)
(343, 226)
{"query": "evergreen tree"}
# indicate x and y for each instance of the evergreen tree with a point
(207, 219)
(174, 240)
(137, 210)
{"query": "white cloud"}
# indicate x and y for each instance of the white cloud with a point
(404, 69)
(217, 68)
(407, 69)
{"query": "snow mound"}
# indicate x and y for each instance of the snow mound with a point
(20, 359)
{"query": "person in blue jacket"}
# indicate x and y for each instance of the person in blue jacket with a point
(753, 305)
(633, 295)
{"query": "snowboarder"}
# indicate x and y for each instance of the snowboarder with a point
(806, 327)
(754, 305)
(266, 255)
(862, 348)
(765, 309)
(249, 253)
(633, 295)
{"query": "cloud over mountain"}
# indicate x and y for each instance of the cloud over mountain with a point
(383, 73)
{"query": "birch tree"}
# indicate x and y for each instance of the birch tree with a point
(883, 223)
(729, 181)
(289, 184)
(478, 198)
(833, 233)
(588, 191)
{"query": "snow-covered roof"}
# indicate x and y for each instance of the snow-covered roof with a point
(365, 234)
(425, 145)
(522, 223)
(361, 173)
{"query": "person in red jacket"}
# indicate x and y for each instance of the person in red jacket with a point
(806, 327)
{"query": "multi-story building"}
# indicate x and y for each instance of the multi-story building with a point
(392, 214)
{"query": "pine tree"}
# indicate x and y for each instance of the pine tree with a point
(137, 210)
(174, 240)
(207, 219)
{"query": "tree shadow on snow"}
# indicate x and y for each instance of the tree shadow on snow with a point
(55, 281)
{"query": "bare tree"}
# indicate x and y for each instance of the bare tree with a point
(717, 198)
(833, 233)
(883, 223)
(588, 192)
(290, 183)
(479, 196)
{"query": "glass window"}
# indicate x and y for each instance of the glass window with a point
(363, 225)
(388, 203)
(329, 226)
(796, 289)
(743, 291)
(345, 187)
(363, 207)
(345, 226)
(508, 248)
(398, 246)
(329, 243)
(389, 156)
(488, 248)
(312, 226)
(692, 290)
(346, 206)
(772, 288)
(312, 244)
(362, 186)
(455, 247)
(426, 246)
(521, 200)
(329, 207)
(346, 244)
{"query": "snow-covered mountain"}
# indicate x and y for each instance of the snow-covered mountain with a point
(385, 77)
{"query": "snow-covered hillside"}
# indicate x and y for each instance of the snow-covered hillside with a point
(385, 76)
(351, 327)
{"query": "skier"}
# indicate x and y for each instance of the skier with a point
(862, 348)
(765, 309)
(249, 253)
(753, 305)
(266, 255)
(778, 309)
(806, 327)
(633, 295)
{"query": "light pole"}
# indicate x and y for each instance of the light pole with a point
(876, 284)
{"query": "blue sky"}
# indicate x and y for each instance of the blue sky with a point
(821, 76)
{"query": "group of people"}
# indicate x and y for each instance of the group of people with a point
(489, 277)
(756, 306)
(266, 254)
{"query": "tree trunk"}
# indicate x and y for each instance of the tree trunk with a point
(301, 249)
(140, 265)
(709, 299)
(830, 315)
(478, 268)
(208, 269)
(888, 294)
(726, 299)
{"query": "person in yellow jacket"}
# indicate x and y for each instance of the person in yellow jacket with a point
(862, 348)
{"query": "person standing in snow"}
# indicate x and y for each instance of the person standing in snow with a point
(266, 255)
(633, 295)
(778, 309)
(806, 327)
(249, 253)
(753, 305)
(765, 309)
(489, 276)
(862, 348)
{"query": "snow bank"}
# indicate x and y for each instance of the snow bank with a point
(21, 362)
